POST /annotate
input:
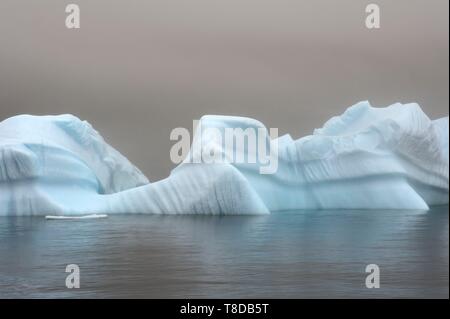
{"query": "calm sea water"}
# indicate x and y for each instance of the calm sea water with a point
(297, 254)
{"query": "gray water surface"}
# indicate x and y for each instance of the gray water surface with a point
(301, 254)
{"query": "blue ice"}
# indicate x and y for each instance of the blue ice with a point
(367, 158)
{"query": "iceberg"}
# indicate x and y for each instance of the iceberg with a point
(367, 158)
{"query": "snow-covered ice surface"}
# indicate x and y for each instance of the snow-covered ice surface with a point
(367, 158)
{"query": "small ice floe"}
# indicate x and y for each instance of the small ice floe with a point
(91, 216)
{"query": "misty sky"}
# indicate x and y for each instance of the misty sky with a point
(137, 69)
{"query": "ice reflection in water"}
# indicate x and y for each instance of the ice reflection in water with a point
(286, 254)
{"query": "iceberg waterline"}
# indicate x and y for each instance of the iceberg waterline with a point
(367, 158)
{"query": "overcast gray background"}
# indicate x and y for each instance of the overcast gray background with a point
(137, 69)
